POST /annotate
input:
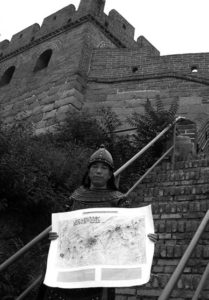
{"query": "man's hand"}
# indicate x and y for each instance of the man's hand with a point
(53, 236)
(153, 237)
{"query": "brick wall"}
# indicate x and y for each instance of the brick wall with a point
(44, 97)
(127, 96)
(179, 200)
(96, 62)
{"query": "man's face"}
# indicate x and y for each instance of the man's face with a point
(99, 174)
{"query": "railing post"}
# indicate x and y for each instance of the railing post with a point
(174, 147)
(117, 180)
(29, 289)
(181, 265)
(201, 283)
(24, 249)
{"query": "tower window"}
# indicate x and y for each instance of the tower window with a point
(134, 69)
(43, 60)
(194, 69)
(7, 76)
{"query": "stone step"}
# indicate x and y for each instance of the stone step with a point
(179, 199)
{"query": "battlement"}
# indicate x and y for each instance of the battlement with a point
(113, 25)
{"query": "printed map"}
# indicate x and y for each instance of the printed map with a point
(101, 241)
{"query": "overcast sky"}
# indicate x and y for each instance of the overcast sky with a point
(172, 26)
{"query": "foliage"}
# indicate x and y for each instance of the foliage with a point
(11, 283)
(152, 122)
(80, 128)
(37, 177)
(87, 131)
(38, 173)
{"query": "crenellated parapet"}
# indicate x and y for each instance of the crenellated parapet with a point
(35, 33)
(22, 38)
(82, 58)
(144, 44)
(56, 20)
(94, 7)
(114, 26)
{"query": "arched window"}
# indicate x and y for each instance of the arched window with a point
(43, 60)
(7, 76)
(194, 69)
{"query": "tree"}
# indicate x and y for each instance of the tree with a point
(149, 124)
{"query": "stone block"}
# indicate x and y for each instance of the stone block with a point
(50, 114)
(190, 100)
(126, 291)
(69, 100)
(145, 44)
(37, 110)
(48, 107)
(39, 131)
(62, 112)
(23, 115)
(120, 297)
(36, 118)
(56, 20)
(60, 117)
(30, 100)
(22, 38)
(8, 107)
(141, 95)
(120, 24)
(40, 124)
(47, 99)
(8, 120)
(33, 104)
(72, 92)
(5, 113)
(3, 45)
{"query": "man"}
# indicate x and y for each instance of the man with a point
(98, 189)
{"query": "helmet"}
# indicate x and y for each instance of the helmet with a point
(102, 155)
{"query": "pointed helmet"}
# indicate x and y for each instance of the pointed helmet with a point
(102, 155)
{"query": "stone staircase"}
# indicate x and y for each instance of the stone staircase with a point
(180, 199)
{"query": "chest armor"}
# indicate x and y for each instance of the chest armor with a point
(84, 198)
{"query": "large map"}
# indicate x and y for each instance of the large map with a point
(112, 241)
(106, 247)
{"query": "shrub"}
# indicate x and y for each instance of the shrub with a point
(38, 173)
(149, 124)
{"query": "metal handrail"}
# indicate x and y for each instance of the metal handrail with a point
(181, 265)
(151, 143)
(44, 233)
(24, 249)
(27, 291)
(201, 283)
(149, 170)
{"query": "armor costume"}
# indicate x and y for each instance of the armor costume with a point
(102, 155)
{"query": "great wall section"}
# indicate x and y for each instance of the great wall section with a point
(86, 59)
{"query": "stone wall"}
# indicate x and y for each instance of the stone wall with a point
(95, 62)
(42, 97)
(126, 97)
(179, 200)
